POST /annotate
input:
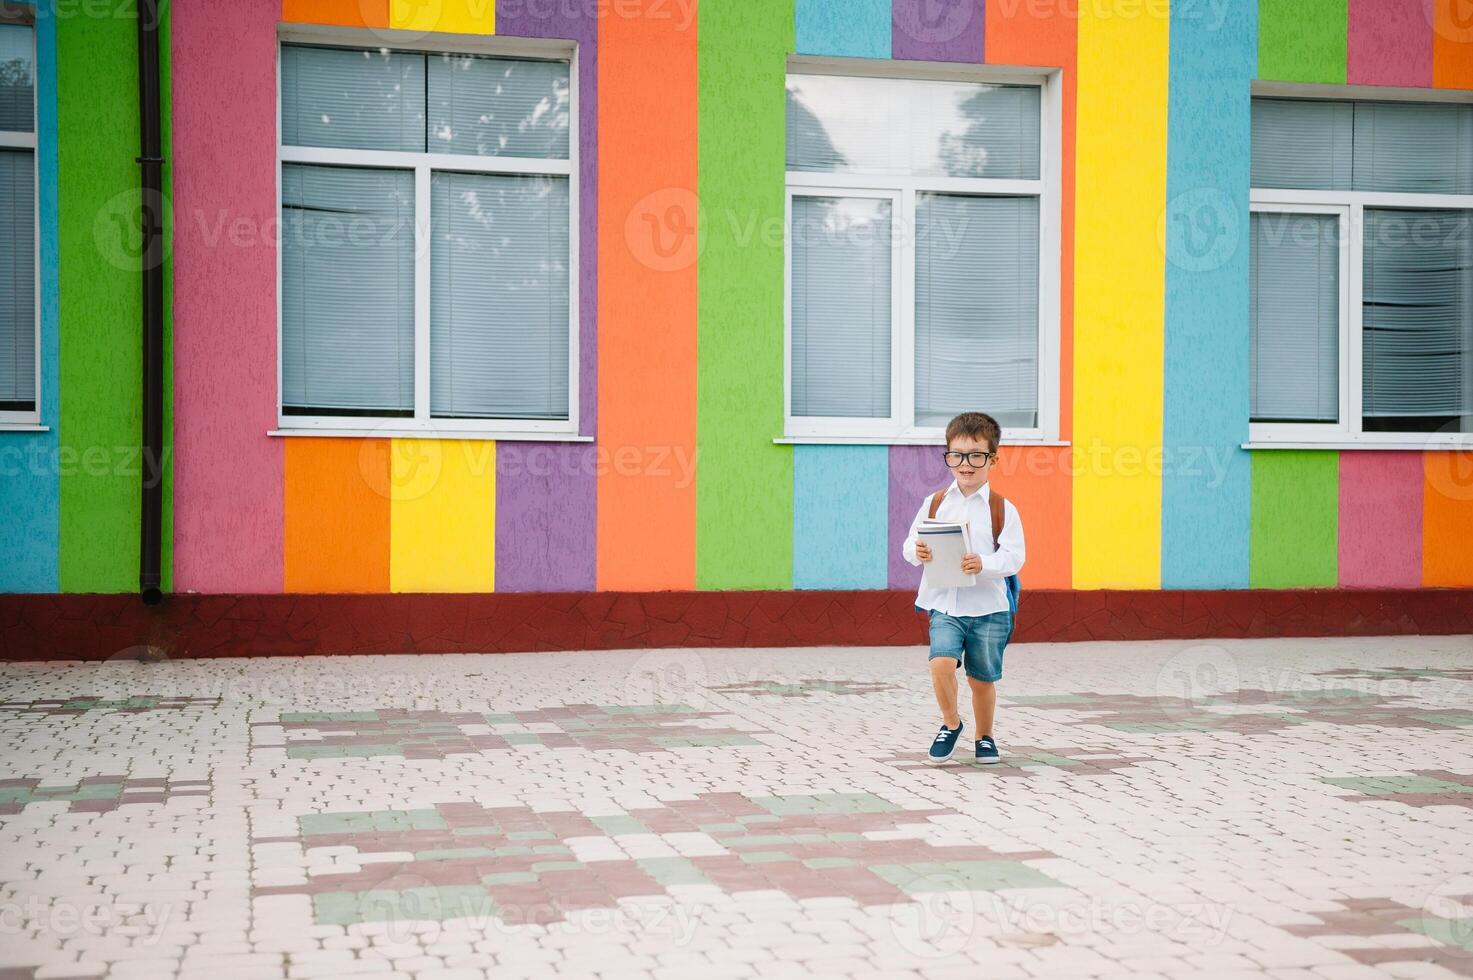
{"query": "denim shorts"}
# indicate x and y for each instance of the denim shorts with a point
(976, 642)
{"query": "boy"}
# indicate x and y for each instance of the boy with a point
(971, 625)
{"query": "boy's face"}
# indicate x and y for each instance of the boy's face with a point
(969, 477)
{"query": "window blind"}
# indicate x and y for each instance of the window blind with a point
(1417, 318)
(499, 107)
(1294, 317)
(1301, 143)
(17, 281)
(17, 79)
(910, 126)
(347, 304)
(499, 318)
(352, 98)
(976, 308)
(841, 306)
(1418, 148)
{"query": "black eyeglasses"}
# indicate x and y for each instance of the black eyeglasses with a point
(954, 459)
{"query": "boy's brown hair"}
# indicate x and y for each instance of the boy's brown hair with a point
(977, 425)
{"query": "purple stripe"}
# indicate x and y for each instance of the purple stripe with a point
(545, 516)
(915, 471)
(572, 21)
(937, 30)
(546, 509)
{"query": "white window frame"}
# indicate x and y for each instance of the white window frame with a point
(422, 165)
(1351, 205)
(900, 427)
(30, 421)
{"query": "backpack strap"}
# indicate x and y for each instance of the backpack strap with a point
(995, 502)
(936, 502)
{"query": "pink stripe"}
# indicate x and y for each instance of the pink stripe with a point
(1380, 519)
(228, 473)
(1389, 42)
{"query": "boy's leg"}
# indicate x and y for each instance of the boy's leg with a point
(943, 682)
(948, 641)
(984, 705)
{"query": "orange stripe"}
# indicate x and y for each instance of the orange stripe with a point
(346, 13)
(1452, 44)
(1447, 519)
(337, 515)
(646, 302)
(1037, 478)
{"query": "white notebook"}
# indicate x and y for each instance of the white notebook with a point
(948, 541)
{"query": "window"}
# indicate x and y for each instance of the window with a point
(922, 258)
(428, 243)
(1361, 281)
(20, 378)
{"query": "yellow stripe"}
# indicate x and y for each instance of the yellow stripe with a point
(442, 516)
(1119, 275)
(444, 16)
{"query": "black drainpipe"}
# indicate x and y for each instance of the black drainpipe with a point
(150, 579)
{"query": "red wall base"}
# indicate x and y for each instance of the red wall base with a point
(99, 627)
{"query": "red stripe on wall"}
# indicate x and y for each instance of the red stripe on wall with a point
(228, 471)
(1380, 543)
(1388, 43)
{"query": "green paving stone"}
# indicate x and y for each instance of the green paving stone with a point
(827, 803)
(1457, 933)
(509, 878)
(15, 795)
(766, 857)
(1451, 720)
(501, 719)
(315, 824)
(620, 825)
(720, 828)
(760, 818)
(940, 876)
(647, 709)
(669, 871)
(99, 791)
(311, 716)
(475, 831)
(402, 905)
(454, 853)
(701, 741)
(818, 864)
(559, 849)
(1392, 785)
(540, 866)
(522, 738)
(510, 850)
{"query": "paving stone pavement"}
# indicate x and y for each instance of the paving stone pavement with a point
(1290, 809)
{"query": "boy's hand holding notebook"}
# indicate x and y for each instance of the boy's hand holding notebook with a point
(949, 541)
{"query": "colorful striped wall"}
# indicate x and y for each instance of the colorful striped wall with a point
(681, 320)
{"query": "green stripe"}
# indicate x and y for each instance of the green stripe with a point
(1295, 519)
(744, 497)
(101, 301)
(1302, 41)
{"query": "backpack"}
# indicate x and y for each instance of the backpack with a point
(995, 502)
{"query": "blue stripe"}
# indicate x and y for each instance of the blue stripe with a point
(841, 517)
(1206, 481)
(844, 28)
(29, 491)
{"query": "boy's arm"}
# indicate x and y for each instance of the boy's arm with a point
(908, 546)
(1011, 552)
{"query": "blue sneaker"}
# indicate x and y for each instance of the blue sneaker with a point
(944, 744)
(987, 751)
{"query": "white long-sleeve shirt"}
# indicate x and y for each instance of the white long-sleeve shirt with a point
(990, 594)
